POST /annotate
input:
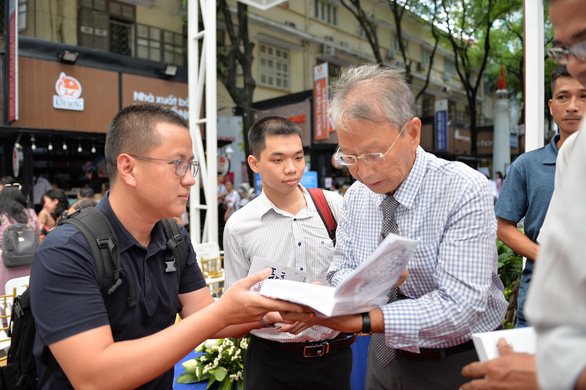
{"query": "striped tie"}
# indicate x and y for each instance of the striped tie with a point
(389, 205)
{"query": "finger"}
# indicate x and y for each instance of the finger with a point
(295, 316)
(270, 304)
(504, 347)
(295, 328)
(256, 277)
(474, 370)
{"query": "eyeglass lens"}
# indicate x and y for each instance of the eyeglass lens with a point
(183, 166)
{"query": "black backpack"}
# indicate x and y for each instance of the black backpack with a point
(20, 373)
(19, 244)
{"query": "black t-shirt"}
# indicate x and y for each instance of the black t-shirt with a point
(66, 298)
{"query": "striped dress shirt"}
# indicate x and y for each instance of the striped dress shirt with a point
(453, 288)
(300, 241)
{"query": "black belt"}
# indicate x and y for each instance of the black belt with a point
(440, 353)
(315, 348)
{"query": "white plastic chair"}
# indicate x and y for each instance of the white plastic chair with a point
(5, 314)
(13, 288)
(211, 266)
(20, 284)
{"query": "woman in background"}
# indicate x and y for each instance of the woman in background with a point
(54, 204)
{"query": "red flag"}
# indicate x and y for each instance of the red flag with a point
(502, 84)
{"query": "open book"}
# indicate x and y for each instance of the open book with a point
(364, 289)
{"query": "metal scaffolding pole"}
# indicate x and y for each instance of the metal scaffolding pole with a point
(534, 74)
(203, 116)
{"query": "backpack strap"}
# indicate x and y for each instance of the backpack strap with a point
(324, 211)
(176, 245)
(100, 235)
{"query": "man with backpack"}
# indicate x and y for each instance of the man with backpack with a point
(129, 337)
(284, 225)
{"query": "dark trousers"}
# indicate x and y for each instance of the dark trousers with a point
(270, 368)
(405, 374)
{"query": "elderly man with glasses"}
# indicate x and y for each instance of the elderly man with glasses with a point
(119, 343)
(422, 337)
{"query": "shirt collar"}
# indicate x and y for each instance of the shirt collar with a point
(125, 239)
(550, 152)
(264, 204)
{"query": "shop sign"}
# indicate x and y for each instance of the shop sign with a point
(172, 102)
(320, 101)
(441, 125)
(12, 61)
(68, 94)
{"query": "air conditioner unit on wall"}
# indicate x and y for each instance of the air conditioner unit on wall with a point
(330, 38)
(329, 50)
(421, 67)
(291, 24)
(346, 45)
(446, 76)
(390, 54)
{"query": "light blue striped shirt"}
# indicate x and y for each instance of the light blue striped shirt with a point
(453, 288)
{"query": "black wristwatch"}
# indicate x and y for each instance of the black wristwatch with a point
(365, 323)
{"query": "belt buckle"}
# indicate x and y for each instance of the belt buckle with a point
(317, 350)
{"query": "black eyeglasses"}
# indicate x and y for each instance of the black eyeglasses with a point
(561, 55)
(18, 185)
(181, 166)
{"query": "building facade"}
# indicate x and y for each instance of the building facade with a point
(81, 61)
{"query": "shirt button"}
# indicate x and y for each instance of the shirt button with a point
(294, 219)
(299, 243)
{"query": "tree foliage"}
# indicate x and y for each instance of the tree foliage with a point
(368, 23)
(235, 66)
(509, 51)
(468, 25)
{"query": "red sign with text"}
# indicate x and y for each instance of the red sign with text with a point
(320, 101)
(13, 62)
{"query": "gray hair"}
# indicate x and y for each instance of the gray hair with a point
(373, 93)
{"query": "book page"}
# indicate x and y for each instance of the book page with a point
(364, 289)
(280, 271)
(377, 274)
(318, 297)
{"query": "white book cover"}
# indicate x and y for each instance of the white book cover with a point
(520, 340)
(280, 271)
(364, 289)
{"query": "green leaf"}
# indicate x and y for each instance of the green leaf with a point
(187, 378)
(212, 380)
(226, 384)
(220, 373)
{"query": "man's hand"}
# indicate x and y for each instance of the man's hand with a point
(510, 371)
(240, 305)
(347, 324)
(403, 277)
